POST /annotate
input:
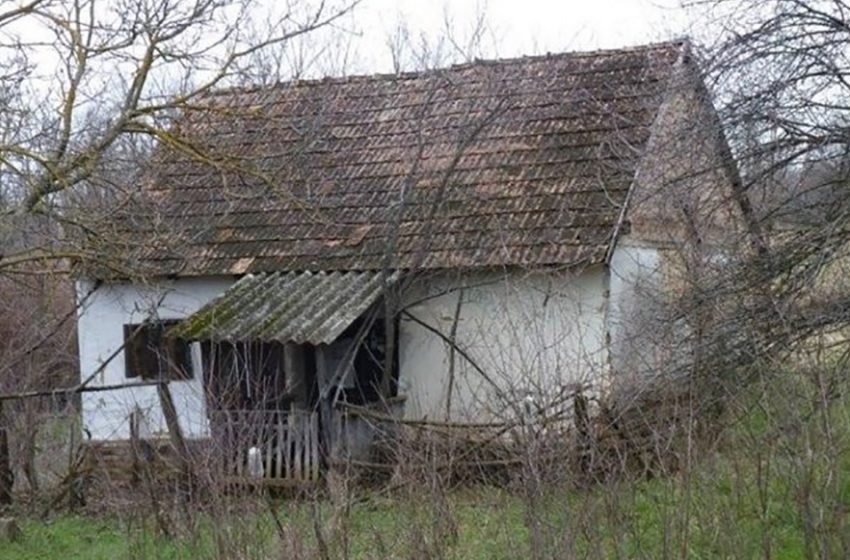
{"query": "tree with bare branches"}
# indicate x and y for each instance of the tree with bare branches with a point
(88, 88)
(88, 84)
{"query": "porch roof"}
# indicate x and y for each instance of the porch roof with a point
(301, 307)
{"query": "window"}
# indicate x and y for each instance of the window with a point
(150, 354)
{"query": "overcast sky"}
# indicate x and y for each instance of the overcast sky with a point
(516, 27)
(358, 43)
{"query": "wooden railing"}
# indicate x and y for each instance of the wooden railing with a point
(268, 445)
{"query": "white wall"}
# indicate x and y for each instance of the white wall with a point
(532, 333)
(100, 333)
(646, 340)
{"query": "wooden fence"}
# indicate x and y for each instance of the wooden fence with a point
(271, 445)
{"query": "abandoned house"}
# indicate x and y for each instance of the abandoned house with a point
(437, 245)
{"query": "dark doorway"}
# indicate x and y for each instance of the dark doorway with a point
(261, 422)
(363, 382)
(245, 375)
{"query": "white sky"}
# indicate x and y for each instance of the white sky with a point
(517, 27)
(358, 44)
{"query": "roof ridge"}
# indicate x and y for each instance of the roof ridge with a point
(571, 54)
(680, 43)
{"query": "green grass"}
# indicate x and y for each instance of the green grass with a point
(68, 538)
(778, 486)
(490, 524)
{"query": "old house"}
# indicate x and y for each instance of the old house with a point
(437, 245)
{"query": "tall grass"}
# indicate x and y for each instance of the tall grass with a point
(775, 485)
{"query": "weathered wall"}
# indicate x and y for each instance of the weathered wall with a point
(636, 310)
(101, 320)
(532, 333)
(683, 191)
(682, 217)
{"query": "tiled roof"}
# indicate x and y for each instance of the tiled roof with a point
(513, 162)
(302, 307)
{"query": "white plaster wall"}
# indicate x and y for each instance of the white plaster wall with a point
(100, 333)
(636, 310)
(532, 333)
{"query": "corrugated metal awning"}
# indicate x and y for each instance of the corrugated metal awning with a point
(311, 307)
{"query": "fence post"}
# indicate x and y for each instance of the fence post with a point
(583, 436)
(6, 476)
(169, 411)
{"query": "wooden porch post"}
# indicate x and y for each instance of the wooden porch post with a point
(324, 401)
(390, 307)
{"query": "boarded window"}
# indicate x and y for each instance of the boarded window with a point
(149, 354)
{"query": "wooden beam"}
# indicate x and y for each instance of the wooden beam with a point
(75, 390)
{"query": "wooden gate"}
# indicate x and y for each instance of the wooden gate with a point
(272, 446)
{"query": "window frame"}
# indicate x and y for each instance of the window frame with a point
(150, 355)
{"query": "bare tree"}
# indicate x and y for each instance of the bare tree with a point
(89, 83)
(88, 89)
(779, 70)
